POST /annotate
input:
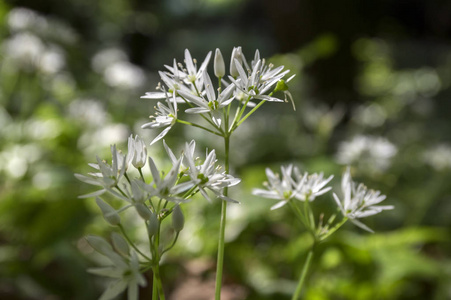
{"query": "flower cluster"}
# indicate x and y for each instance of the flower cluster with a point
(358, 201)
(187, 83)
(294, 184)
(152, 199)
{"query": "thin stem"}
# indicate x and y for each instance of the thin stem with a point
(202, 115)
(297, 292)
(250, 113)
(156, 265)
(333, 229)
(198, 126)
(173, 243)
(142, 176)
(299, 213)
(220, 262)
(131, 243)
(126, 177)
(240, 114)
(121, 191)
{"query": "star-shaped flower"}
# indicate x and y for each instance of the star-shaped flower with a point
(359, 202)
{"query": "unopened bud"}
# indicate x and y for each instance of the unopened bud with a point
(281, 86)
(109, 214)
(219, 65)
(120, 244)
(143, 211)
(178, 220)
(153, 225)
(236, 54)
(99, 244)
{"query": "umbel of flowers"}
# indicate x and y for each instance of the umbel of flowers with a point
(154, 200)
(299, 190)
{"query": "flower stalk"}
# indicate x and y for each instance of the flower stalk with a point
(222, 226)
(308, 261)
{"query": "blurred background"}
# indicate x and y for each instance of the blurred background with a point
(372, 91)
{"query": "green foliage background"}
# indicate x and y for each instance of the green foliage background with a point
(381, 71)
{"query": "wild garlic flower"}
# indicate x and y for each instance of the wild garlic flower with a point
(211, 102)
(258, 81)
(166, 187)
(278, 188)
(207, 176)
(359, 202)
(165, 116)
(311, 185)
(126, 272)
(188, 83)
(292, 185)
(187, 79)
(109, 176)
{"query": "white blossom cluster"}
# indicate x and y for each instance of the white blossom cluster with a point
(153, 200)
(191, 84)
(357, 202)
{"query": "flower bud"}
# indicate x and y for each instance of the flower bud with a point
(99, 244)
(236, 54)
(120, 244)
(153, 224)
(143, 211)
(109, 214)
(139, 152)
(219, 65)
(178, 220)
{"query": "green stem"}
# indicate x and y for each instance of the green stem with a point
(298, 212)
(297, 293)
(156, 266)
(154, 287)
(198, 126)
(333, 229)
(220, 262)
(250, 113)
(141, 174)
(173, 243)
(132, 244)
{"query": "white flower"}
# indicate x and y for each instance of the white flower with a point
(109, 176)
(187, 79)
(298, 186)
(192, 73)
(212, 103)
(207, 175)
(359, 202)
(125, 272)
(165, 116)
(311, 186)
(277, 188)
(257, 82)
(164, 187)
